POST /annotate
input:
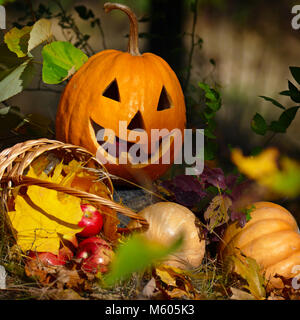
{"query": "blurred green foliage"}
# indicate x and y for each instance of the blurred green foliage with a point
(259, 124)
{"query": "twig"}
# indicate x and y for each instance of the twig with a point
(269, 139)
(31, 10)
(102, 34)
(190, 58)
(72, 25)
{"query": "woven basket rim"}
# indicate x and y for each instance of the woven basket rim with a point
(14, 160)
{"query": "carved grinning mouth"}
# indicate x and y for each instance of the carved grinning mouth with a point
(119, 144)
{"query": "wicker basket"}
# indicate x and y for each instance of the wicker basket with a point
(15, 160)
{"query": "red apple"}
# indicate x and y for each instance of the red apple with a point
(65, 253)
(91, 221)
(96, 254)
(48, 258)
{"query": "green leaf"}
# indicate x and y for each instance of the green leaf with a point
(209, 114)
(285, 93)
(61, 60)
(209, 134)
(274, 102)
(259, 125)
(284, 120)
(256, 151)
(22, 41)
(210, 149)
(295, 93)
(136, 255)
(277, 127)
(288, 116)
(212, 95)
(287, 181)
(14, 80)
(295, 71)
(3, 2)
(214, 105)
(204, 86)
(248, 211)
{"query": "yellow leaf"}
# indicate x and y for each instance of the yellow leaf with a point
(17, 40)
(169, 275)
(281, 175)
(43, 216)
(217, 212)
(248, 269)
(238, 294)
(256, 167)
(166, 277)
(40, 164)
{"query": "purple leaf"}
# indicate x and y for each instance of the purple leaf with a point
(239, 189)
(231, 180)
(240, 216)
(187, 190)
(213, 177)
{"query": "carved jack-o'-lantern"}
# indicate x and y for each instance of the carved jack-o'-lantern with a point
(113, 86)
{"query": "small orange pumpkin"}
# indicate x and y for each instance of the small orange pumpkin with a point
(114, 86)
(271, 237)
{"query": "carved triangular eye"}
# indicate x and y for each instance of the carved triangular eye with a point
(164, 100)
(136, 122)
(112, 91)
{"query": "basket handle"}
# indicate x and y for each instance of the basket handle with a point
(92, 198)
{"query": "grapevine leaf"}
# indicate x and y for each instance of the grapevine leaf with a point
(22, 41)
(61, 60)
(17, 40)
(43, 215)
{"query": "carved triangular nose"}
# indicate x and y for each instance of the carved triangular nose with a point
(136, 122)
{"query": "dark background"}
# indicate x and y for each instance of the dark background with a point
(246, 47)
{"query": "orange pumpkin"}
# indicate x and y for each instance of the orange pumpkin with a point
(114, 86)
(271, 237)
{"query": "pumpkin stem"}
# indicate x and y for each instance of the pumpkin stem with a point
(133, 47)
